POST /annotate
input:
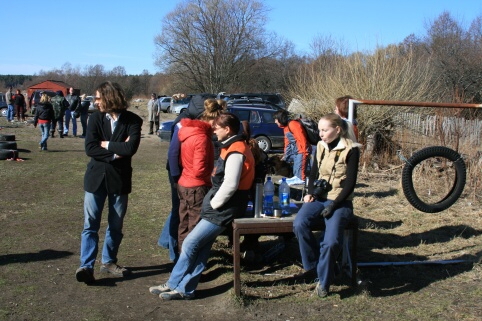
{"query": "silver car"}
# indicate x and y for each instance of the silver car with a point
(165, 103)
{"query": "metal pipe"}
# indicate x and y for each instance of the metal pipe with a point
(353, 102)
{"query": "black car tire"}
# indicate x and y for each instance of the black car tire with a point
(168, 110)
(264, 143)
(456, 190)
(3, 112)
(7, 137)
(8, 153)
(8, 145)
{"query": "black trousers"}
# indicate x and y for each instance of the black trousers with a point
(151, 126)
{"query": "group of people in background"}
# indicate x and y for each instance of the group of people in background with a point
(51, 113)
(16, 105)
(211, 167)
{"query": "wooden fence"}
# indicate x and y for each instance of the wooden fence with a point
(453, 128)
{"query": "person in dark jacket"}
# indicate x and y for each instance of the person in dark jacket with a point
(44, 114)
(60, 105)
(70, 113)
(19, 102)
(225, 201)
(83, 110)
(199, 107)
(113, 137)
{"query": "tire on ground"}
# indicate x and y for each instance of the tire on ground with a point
(457, 188)
(8, 145)
(7, 137)
(8, 153)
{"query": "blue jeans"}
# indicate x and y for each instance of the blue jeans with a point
(194, 256)
(321, 254)
(68, 116)
(93, 205)
(45, 129)
(168, 237)
(10, 112)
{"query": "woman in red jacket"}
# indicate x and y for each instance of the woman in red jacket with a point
(197, 162)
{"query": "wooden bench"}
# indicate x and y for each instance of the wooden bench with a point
(270, 226)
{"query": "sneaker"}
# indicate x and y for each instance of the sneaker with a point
(322, 293)
(85, 275)
(114, 269)
(158, 289)
(81, 136)
(296, 181)
(174, 295)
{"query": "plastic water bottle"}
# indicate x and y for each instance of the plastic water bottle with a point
(268, 193)
(284, 197)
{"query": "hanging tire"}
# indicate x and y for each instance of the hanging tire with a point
(434, 178)
(7, 137)
(8, 153)
(8, 145)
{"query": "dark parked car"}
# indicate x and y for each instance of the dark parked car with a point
(35, 99)
(263, 128)
(3, 105)
(272, 98)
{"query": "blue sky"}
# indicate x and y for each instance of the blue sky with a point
(121, 33)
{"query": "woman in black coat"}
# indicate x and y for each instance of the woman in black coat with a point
(44, 114)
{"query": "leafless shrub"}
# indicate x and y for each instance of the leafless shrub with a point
(388, 73)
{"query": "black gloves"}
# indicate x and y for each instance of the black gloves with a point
(328, 210)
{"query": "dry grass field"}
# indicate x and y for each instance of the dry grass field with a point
(41, 215)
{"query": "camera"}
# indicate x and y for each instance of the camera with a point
(321, 186)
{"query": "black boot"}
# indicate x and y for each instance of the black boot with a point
(52, 134)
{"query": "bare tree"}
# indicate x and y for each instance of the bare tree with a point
(456, 56)
(210, 44)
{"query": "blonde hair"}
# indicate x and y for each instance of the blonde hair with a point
(336, 121)
(212, 109)
(45, 98)
(223, 103)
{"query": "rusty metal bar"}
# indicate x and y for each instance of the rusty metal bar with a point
(352, 102)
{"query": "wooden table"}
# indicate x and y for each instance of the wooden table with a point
(270, 226)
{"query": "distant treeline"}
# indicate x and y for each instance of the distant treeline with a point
(14, 80)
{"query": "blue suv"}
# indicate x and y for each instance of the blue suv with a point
(263, 128)
(261, 122)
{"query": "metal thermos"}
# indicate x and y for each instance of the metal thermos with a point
(258, 204)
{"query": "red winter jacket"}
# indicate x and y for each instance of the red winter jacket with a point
(197, 153)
